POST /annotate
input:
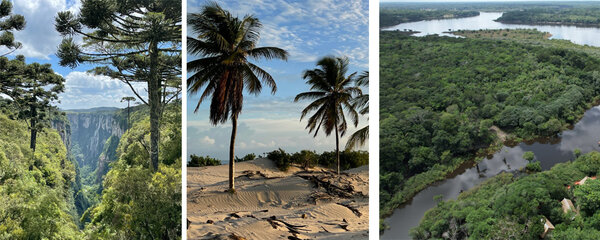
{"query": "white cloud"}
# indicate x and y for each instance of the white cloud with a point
(39, 15)
(208, 140)
(308, 29)
(85, 90)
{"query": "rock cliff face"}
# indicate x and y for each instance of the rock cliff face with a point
(64, 130)
(89, 133)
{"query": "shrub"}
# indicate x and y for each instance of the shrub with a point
(533, 167)
(248, 157)
(199, 161)
(281, 158)
(348, 159)
(305, 158)
(529, 156)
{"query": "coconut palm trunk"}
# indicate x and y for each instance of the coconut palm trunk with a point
(226, 44)
(337, 148)
(232, 154)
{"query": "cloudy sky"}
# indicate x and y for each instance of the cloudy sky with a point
(308, 30)
(40, 42)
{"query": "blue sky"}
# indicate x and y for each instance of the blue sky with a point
(40, 41)
(308, 30)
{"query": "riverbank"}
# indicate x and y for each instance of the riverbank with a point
(516, 115)
(280, 204)
(516, 202)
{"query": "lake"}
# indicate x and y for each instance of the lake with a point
(579, 35)
(584, 135)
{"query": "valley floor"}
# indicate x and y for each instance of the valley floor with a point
(271, 204)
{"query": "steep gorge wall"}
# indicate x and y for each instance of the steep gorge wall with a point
(90, 131)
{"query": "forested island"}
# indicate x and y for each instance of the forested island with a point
(446, 100)
(579, 16)
(393, 16)
(517, 206)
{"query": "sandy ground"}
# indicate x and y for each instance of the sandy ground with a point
(271, 204)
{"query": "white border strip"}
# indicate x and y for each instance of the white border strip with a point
(374, 119)
(184, 120)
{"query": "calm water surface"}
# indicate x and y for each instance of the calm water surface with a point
(584, 135)
(579, 35)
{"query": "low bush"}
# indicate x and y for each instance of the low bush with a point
(248, 157)
(305, 158)
(281, 158)
(199, 161)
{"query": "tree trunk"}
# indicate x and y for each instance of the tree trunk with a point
(154, 100)
(33, 128)
(337, 148)
(232, 154)
(128, 119)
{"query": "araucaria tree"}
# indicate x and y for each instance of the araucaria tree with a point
(9, 22)
(226, 44)
(33, 88)
(134, 41)
(332, 92)
(128, 99)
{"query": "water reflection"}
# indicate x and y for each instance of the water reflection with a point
(584, 135)
(576, 34)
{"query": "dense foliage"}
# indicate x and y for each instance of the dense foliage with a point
(35, 189)
(588, 16)
(393, 16)
(199, 161)
(137, 202)
(305, 158)
(511, 207)
(134, 41)
(440, 96)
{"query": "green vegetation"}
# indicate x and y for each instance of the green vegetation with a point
(281, 159)
(136, 201)
(133, 41)
(248, 157)
(504, 34)
(582, 16)
(393, 16)
(9, 22)
(440, 96)
(35, 188)
(511, 206)
(199, 161)
(306, 159)
(33, 88)
(225, 44)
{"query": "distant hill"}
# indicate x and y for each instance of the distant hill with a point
(92, 110)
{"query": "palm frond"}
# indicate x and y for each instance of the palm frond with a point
(358, 138)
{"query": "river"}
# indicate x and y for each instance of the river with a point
(584, 134)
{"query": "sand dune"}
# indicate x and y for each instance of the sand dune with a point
(271, 204)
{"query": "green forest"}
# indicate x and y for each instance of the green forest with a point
(583, 16)
(441, 98)
(513, 206)
(52, 184)
(393, 16)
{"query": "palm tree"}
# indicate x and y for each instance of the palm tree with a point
(361, 103)
(332, 92)
(225, 44)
